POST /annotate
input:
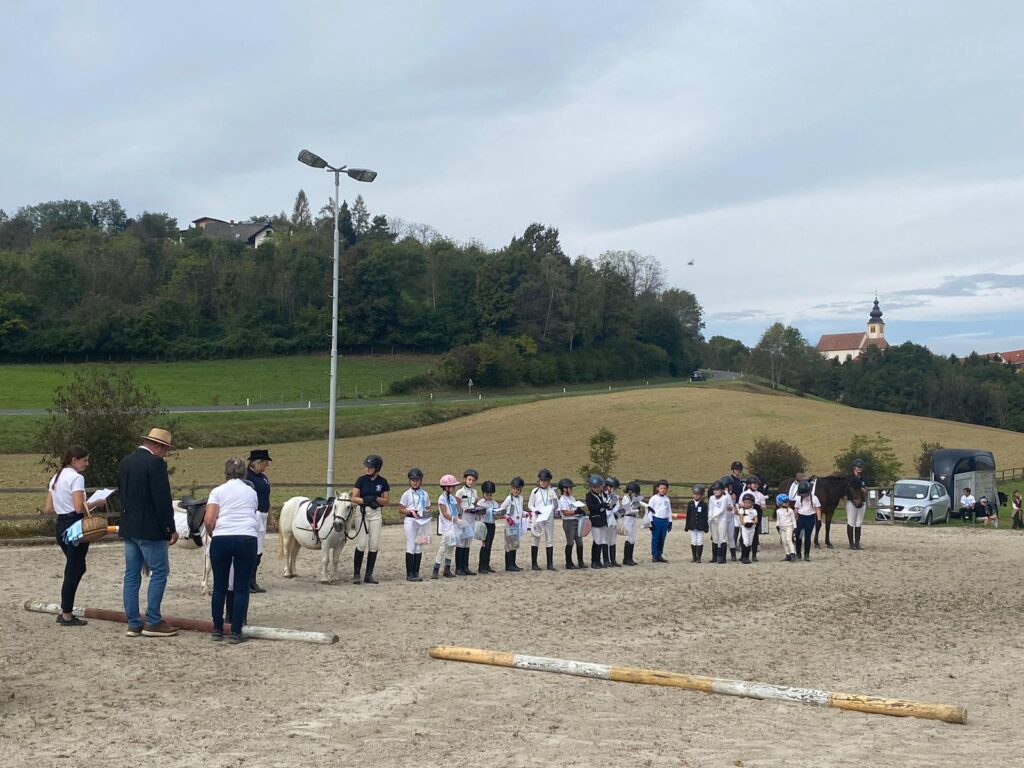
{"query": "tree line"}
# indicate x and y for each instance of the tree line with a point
(82, 279)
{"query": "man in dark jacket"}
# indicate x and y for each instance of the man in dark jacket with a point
(147, 527)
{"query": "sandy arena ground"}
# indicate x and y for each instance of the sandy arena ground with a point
(933, 615)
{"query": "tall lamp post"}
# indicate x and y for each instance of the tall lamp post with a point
(359, 174)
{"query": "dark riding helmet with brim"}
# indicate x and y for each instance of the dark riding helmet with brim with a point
(858, 463)
(374, 462)
(488, 487)
(544, 474)
(471, 473)
(737, 465)
(517, 482)
(718, 485)
(415, 473)
(564, 483)
(595, 481)
(803, 487)
(632, 487)
(611, 481)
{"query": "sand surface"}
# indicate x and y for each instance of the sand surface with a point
(927, 614)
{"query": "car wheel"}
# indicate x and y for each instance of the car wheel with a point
(928, 518)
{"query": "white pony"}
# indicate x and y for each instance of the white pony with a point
(328, 535)
(192, 534)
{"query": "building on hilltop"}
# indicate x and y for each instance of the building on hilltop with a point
(839, 346)
(250, 234)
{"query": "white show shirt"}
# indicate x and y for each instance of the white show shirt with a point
(418, 499)
(719, 505)
(68, 481)
(806, 505)
(784, 516)
(661, 506)
(567, 506)
(449, 504)
(512, 506)
(237, 502)
(541, 497)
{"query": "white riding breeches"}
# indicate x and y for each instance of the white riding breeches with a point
(786, 535)
(599, 535)
(747, 534)
(629, 524)
(412, 530)
(854, 516)
(261, 530)
(610, 533)
(720, 529)
(696, 538)
(368, 538)
(549, 533)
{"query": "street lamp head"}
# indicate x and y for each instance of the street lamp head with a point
(361, 174)
(313, 161)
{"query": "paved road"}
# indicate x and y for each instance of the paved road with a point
(384, 402)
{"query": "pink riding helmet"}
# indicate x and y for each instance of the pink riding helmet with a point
(448, 480)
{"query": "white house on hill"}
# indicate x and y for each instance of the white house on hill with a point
(839, 346)
(250, 234)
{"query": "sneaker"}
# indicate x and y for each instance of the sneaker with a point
(234, 639)
(256, 589)
(74, 621)
(216, 635)
(163, 629)
(133, 631)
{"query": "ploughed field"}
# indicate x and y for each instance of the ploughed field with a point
(926, 614)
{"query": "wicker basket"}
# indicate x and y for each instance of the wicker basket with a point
(94, 527)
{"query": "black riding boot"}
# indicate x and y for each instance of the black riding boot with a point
(448, 573)
(756, 543)
(255, 588)
(745, 554)
(627, 554)
(483, 562)
(732, 552)
(551, 558)
(371, 559)
(700, 552)
(595, 556)
(856, 538)
(465, 562)
(533, 558)
(611, 553)
(693, 553)
(579, 554)
(568, 558)
(508, 560)
(605, 560)
(437, 570)
(417, 561)
(357, 566)
(515, 567)
(408, 566)
(721, 553)
(849, 536)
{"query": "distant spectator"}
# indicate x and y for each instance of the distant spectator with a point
(1018, 522)
(987, 512)
(967, 504)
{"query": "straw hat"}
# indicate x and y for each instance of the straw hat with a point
(161, 436)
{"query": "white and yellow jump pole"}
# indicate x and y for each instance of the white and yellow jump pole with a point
(750, 690)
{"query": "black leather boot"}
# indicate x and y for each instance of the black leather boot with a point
(693, 553)
(482, 566)
(255, 588)
(465, 562)
(508, 560)
(856, 538)
(408, 566)
(745, 554)
(611, 554)
(568, 558)
(551, 558)
(627, 554)
(357, 566)
(533, 559)
(700, 552)
(448, 574)
(579, 555)
(849, 536)
(606, 560)
(515, 567)
(595, 556)
(371, 559)
(732, 551)
(721, 553)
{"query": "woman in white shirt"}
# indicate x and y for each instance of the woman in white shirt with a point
(65, 497)
(233, 524)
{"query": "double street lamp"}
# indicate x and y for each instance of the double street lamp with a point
(359, 174)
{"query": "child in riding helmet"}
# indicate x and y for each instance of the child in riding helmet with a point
(808, 511)
(785, 524)
(661, 522)
(447, 520)
(597, 510)
(630, 506)
(720, 514)
(467, 504)
(541, 507)
(568, 510)
(512, 507)
(487, 509)
(749, 519)
(754, 487)
(415, 505)
(370, 492)
(697, 522)
(611, 500)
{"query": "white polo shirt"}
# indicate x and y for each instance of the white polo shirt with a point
(237, 502)
(661, 506)
(806, 505)
(68, 481)
(719, 505)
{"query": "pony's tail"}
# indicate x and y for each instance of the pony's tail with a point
(280, 543)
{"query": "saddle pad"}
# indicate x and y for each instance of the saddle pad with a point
(317, 510)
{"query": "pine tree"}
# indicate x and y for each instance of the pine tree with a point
(360, 216)
(301, 215)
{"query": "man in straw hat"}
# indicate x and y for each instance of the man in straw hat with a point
(147, 527)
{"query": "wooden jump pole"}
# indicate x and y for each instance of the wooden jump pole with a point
(751, 690)
(195, 625)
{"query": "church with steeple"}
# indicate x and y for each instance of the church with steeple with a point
(839, 346)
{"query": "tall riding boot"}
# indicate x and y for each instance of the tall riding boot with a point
(408, 566)
(700, 552)
(627, 554)
(568, 558)
(721, 553)
(458, 562)
(849, 536)
(595, 556)
(508, 560)
(533, 558)
(693, 553)
(551, 558)
(856, 538)
(611, 552)
(417, 560)
(465, 562)
(371, 559)
(357, 566)
(606, 559)
(579, 554)
(745, 554)
(515, 566)
(255, 588)
(481, 565)
(732, 552)
(437, 569)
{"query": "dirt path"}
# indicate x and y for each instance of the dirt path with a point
(899, 619)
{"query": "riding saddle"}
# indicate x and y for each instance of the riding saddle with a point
(195, 511)
(317, 510)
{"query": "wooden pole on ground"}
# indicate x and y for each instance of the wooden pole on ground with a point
(750, 690)
(195, 625)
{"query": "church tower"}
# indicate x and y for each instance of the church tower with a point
(876, 326)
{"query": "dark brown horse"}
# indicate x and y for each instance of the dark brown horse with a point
(829, 491)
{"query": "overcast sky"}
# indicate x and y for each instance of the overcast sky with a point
(803, 154)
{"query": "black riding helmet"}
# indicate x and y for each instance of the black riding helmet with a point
(698, 489)
(415, 473)
(803, 488)
(544, 474)
(374, 462)
(753, 479)
(718, 485)
(737, 465)
(488, 487)
(517, 482)
(595, 480)
(632, 487)
(611, 481)
(471, 473)
(858, 463)
(564, 483)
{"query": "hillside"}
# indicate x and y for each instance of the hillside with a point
(684, 433)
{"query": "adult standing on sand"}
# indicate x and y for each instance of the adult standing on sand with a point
(855, 510)
(259, 460)
(147, 527)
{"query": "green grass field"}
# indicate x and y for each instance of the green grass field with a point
(227, 382)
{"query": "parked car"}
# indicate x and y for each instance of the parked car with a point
(925, 501)
(698, 376)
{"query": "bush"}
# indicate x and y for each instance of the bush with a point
(881, 466)
(775, 461)
(923, 460)
(602, 454)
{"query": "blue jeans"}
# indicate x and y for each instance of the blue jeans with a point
(226, 551)
(659, 531)
(154, 555)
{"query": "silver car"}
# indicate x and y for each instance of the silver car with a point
(922, 500)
